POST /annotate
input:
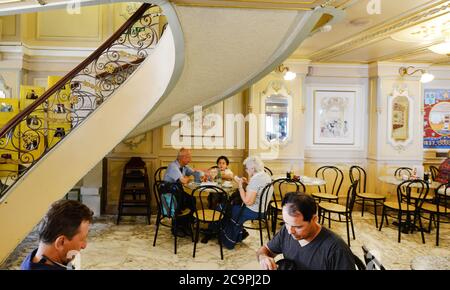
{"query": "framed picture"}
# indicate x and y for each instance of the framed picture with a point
(210, 122)
(334, 113)
(436, 119)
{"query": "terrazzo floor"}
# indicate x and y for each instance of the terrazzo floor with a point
(129, 246)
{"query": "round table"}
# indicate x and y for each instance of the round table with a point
(306, 180)
(393, 180)
(429, 262)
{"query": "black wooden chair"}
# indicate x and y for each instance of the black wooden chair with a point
(358, 173)
(334, 178)
(399, 172)
(159, 173)
(165, 196)
(345, 211)
(263, 211)
(411, 195)
(440, 210)
(204, 214)
(434, 172)
(282, 186)
(268, 171)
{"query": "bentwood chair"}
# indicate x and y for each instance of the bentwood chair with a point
(282, 186)
(263, 211)
(268, 171)
(411, 195)
(399, 172)
(165, 196)
(440, 210)
(159, 173)
(358, 173)
(434, 172)
(212, 217)
(330, 190)
(345, 211)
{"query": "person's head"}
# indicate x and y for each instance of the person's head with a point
(222, 162)
(184, 156)
(65, 227)
(253, 165)
(299, 215)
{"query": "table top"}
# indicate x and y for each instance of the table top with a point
(429, 262)
(228, 189)
(393, 180)
(306, 180)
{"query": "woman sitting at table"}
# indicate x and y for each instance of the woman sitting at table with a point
(222, 164)
(233, 231)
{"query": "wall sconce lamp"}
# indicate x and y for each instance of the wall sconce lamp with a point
(425, 78)
(287, 75)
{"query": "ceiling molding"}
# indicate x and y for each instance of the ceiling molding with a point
(382, 31)
(255, 4)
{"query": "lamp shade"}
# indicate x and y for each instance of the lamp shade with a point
(289, 76)
(426, 78)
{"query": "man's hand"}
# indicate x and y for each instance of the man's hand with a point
(267, 263)
(184, 180)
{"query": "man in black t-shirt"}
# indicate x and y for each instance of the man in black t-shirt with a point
(304, 241)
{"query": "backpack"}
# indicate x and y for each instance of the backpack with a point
(168, 204)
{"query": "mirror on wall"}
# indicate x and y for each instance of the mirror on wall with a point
(277, 109)
(400, 107)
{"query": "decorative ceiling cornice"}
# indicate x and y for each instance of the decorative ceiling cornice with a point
(382, 31)
(255, 4)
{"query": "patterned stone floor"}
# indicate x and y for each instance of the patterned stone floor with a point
(129, 246)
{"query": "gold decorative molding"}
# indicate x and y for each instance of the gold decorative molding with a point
(134, 142)
(383, 31)
(254, 4)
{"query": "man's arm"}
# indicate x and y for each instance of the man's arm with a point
(265, 258)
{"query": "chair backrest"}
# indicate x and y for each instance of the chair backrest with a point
(434, 172)
(265, 198)
(268, 171)
(371, 261)
(333, 174)
(443, 198)
(404, 193)
(159, 173)
(351, 196)
(201, 194)
(165, 196)
(358, 173)
(282, 186)
(399, 172)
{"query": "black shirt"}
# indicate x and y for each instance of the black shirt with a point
(326, 252)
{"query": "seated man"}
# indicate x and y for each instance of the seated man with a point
(179, 171)
(304, 241)
(62, 234)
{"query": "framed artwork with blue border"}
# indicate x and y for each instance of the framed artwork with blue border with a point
(436, 131)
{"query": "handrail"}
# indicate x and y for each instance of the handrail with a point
(90, 83)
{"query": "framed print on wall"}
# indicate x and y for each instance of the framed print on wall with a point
(334, 113)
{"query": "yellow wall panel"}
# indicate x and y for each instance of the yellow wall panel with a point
(84, 26)
(9, 25)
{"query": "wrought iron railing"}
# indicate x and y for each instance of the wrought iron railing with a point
(32, 133)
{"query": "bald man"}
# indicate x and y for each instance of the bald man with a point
(178, 170)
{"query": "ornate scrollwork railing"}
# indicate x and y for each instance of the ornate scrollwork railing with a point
(27, 137)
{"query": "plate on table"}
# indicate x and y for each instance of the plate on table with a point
(209, 183)
(227, 184)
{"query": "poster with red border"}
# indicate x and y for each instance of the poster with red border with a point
(436, 131)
